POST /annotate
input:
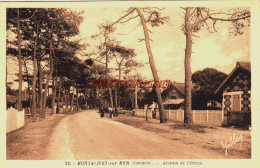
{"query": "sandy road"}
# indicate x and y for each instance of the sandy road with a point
(86, 136)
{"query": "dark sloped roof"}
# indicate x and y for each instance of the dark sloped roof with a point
(179, 86)
(246, 66)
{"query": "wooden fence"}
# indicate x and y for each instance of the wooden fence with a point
(142, 113)
(203, 117)
(209, 117)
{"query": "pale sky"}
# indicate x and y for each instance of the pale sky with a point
(217, 50)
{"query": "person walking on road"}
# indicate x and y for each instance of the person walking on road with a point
(102, 112)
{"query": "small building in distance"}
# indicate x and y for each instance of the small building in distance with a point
(173, 96)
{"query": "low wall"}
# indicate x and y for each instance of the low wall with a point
(14, 120)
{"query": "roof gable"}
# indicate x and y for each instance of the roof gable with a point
(244, 65)
(240, 66)
(180, 87)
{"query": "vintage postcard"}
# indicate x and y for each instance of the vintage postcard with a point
(150, 84)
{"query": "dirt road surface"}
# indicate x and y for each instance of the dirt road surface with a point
(86, 136)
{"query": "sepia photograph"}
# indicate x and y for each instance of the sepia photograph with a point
(133, 84)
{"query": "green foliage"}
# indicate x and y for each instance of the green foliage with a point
(205, 83)
(56, 25)
(149, 98)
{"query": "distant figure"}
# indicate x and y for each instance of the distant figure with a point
(153, 110)
(110, 110)
(102, 112)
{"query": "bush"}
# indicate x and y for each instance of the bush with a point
(239, 119)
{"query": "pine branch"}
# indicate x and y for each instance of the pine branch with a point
(118, 21)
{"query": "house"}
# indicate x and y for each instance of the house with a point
(173, 96)
(236, 89)
(174, 91)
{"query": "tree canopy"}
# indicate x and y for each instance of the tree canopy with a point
(205, 83)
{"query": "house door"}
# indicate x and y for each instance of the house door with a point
(236, 102)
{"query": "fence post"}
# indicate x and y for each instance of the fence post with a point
(207, 116)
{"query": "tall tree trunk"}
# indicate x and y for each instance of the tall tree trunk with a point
(109, 88)
(88, 105)
(119, 85)
(28, 84)
(19, 106)
(136, 104)
(132, 100)
(98, 100)
(116, 110)
(39, 86)
(125, 104)
(85, 99)
(62, 99)
(54, 91)
(34, 75)
(188, 50)
(163, 117)
(62, 102)
(111, 100)
(72, 98)
(48, 77)
(77, 99)
(48, 93)
(58, 99)
(66, 97)
(45, 95)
